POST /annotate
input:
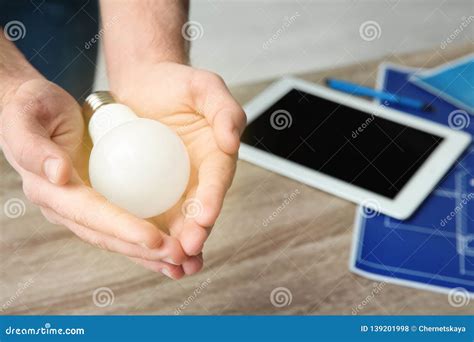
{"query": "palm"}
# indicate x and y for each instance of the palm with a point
(203, 151)
(60, 120)
(185, 100)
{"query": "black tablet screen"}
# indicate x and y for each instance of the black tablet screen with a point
(357, 147)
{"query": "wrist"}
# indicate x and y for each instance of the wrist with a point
(10, 84)
(12, 76)
(14, 70)
(125, 82)
(136, 60)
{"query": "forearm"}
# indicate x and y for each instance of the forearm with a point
(142, 32)
(14, 69)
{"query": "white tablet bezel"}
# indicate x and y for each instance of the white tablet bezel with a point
(412, 194)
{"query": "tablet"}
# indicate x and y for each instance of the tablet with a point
(384, 159)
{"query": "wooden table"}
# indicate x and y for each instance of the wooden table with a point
(46, 270)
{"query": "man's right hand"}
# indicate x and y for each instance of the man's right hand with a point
(42, 133)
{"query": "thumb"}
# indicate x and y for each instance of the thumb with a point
(30, 144)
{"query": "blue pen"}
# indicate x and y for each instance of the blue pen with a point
(356, 89)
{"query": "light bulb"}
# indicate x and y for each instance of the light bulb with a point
(138, 164)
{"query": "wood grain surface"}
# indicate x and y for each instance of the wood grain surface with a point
(45, 269)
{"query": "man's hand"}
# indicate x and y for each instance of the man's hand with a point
(145, 51)
(42, 133)
(197, 105)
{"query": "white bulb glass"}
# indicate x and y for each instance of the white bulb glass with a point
(138, 164)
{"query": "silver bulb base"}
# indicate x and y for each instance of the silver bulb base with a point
(96, 100)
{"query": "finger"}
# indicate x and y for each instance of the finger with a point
(202, 208)
(84, 206)
(174, 272)
(214, 179)
(192, 237)
(174, 221)
(193, 264)
(104, 241)
(31, 146)
(213, 99)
